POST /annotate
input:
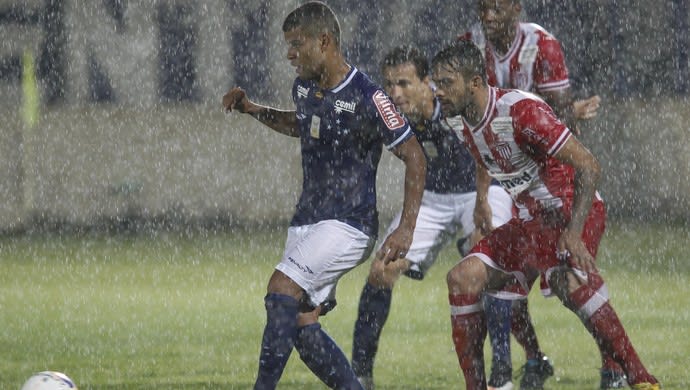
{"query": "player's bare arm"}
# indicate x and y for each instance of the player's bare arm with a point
(398, 243)
(482, 209)
(282, 121)
(587, 173)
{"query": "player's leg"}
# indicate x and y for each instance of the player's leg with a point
(322, 355)
(315, 258)
(492, 263)
(537, 368)
(497, 310)
(498, 324)
(279, 335)
(372, 313)
(466, 282)
(586, 295)
(435, 228)
(580, 294)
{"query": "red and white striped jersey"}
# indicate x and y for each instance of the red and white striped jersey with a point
(515, 141)
(534, 62)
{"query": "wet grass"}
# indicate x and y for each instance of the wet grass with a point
(175, 311)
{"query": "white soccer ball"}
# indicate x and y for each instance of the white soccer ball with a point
(49, 380)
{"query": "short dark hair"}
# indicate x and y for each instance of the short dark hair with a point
(464, 57)
(314, 18)
(407, 54)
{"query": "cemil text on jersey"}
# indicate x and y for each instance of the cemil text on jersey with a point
(341, 106)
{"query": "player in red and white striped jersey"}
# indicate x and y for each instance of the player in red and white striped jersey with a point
(526, 56)
(516, 138)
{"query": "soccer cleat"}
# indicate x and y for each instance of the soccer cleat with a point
(501, 377)
(367, 382)
(535, 372)
(646, 386)
(612, 380)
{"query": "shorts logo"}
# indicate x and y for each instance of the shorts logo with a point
(301, 267)
(390, 114)
(341, 106)
(302, 91)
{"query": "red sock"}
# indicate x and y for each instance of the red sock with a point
(605, 326)
(596, 282)
(522, 329)
(469, 331)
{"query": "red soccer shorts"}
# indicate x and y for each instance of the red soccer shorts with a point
(527, 249)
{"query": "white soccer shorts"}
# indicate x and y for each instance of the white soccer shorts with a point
(316, 256)
(443, 216)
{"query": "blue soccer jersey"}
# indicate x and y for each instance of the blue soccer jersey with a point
(342, 131)
(450, 166)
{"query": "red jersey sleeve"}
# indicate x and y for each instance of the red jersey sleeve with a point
(538, 128)
(551, 72)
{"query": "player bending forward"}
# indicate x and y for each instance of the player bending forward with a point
(515, 138)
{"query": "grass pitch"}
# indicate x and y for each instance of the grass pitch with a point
(174, 311)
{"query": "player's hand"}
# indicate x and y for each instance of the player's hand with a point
(587, 108)
(395, 246)
(483, 218)
(571, 250)
(236, 99)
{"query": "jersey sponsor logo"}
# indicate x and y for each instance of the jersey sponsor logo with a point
(302, 92)
(516, 182)
(386, 108)
(341, 106)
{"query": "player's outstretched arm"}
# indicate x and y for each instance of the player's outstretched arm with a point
(282, 121)
(587, 172)
(398, 242)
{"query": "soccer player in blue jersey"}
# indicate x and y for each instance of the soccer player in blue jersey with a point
(447, 205)
(342, 120)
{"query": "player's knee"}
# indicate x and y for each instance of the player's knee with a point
(467, 277)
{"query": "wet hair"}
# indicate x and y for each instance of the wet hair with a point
(464, 57)
(314, 18)
(407, 54)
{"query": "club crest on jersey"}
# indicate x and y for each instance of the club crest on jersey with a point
(388, 111)
(341, 106)
(302, 92)
(503, 149)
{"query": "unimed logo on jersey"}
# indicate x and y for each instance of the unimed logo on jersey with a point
(388, 111)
